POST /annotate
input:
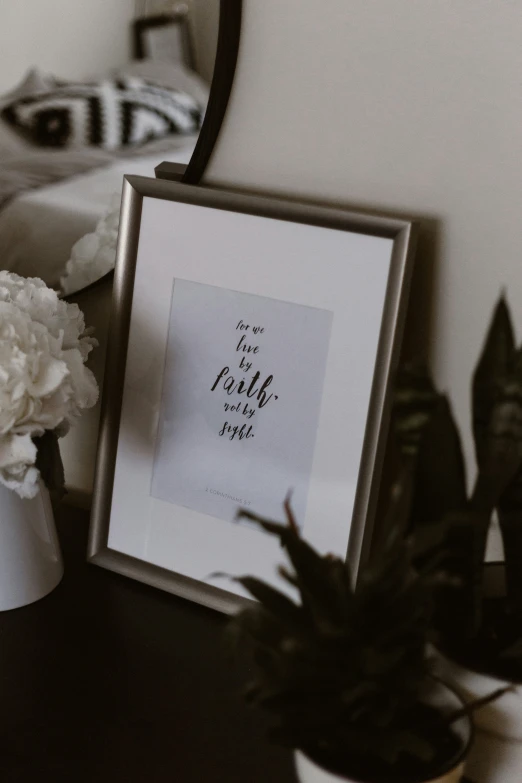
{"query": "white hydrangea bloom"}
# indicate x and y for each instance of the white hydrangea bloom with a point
(44, 384)
(94, 254)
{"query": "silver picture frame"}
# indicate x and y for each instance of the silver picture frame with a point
(403, 234)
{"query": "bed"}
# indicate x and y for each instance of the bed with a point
(51, 198)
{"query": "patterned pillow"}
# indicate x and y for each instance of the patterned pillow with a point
(111, 114)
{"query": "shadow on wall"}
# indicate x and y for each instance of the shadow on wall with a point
(419, 326)
(420, 319)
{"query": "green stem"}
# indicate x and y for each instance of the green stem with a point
(473, 706)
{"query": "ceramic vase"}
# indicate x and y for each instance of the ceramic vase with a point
(443, 697)
(30, 558)
(308, 772)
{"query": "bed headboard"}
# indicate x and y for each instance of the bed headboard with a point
(198, 37)
(165, 37)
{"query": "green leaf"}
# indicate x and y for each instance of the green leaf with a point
(494, 364)
(513, 652)
(397, 515)
(414, 745)
(49, 463)
(272, 600)
(501, 446)
(460, 606)
(511, 499)
(321, 581)
(440, 479)
(429, 542)
(414, 400)
(489, 698)
(257, 624)
(511, 530)
(342, 672)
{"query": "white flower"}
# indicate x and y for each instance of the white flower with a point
(44, 384)
(94, 254)
(17, 471)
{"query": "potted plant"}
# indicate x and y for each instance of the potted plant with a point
(478, 622)
(44, 386)
(345, 671)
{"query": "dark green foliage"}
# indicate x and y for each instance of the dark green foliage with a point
(440, 479)
(495, 363)
(497, 427)
(511, 527)
(49, 463)
(346, 671)
(415, 398)
(439, 494)
(499, 451)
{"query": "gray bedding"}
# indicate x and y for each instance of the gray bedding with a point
(27, 170)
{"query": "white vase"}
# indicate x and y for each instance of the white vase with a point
(496, 753)
(308, 772)
(30, 558)
(441, 697)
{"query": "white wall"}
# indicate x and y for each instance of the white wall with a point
(205, 23)
(412, 106)
(70, 38)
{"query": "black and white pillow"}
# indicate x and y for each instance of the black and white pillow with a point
(111, 114)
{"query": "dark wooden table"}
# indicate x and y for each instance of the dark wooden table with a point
(107, 680)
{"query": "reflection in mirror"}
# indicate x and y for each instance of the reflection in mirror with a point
(90, 91)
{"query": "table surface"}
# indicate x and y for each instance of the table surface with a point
(108, 680)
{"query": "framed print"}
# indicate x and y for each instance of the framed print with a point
(250, 352)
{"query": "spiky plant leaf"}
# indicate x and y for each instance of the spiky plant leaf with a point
(511, 499)
(397, 513)
(414, 400)
(497, 428)
(509, 485)
(439, 496)
(440, 479)
(511, 530)
(493, 366)
(259, 626)
(459, 598)
(324, 586)
(274, 602)
(501, 444)
(514, 651)
(346, 669)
